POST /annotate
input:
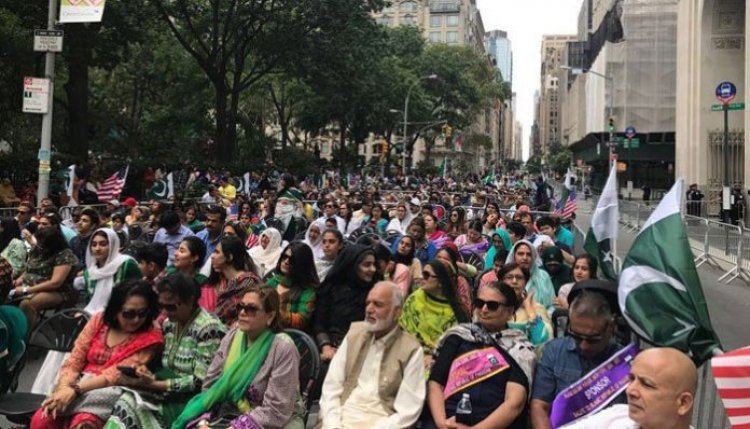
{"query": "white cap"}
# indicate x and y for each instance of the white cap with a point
(114, 203)
(415, 202)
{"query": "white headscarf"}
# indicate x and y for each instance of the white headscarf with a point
(317, 245)
(266, 259)
(104, 276)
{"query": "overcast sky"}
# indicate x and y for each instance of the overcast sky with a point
(526, 21)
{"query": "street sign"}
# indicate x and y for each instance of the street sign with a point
(730, 106)
(725, 92)
(35, 95)
(48, 40)
(44, 155)
(622, 167)
(630, 132)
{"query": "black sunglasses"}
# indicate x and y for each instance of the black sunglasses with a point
(578, 338)
(134, 314)
(250, 309)
(427, 276)
(491, 305)
(168, 307)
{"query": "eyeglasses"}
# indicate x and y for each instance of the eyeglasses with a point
(514, 277)
(427, 276)
(491, 305)
(134, 314)
(578, 338)
(330, 206)
(250, 309)
(284, 256)
(168, 307)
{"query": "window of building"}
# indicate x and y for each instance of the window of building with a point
(385, 20)
(452, 37)
(408, 6)
(451, 20)
(436, 21)
(408, 20)
(436, 36)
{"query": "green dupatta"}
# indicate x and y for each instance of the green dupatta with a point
(240, 368)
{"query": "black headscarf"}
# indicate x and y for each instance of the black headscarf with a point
(344, 269)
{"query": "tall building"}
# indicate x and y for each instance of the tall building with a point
(441, 21)
(712, 47)
(456, 22)
(553, 49)
(499, 48)
(626, 74)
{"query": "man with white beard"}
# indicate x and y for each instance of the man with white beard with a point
(376, 378)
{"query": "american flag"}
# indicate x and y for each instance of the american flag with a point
(570, 204)
(111, 188)
(732, 375)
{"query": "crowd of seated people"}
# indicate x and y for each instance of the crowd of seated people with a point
(414, 315)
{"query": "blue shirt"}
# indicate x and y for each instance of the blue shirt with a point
(562, 365)
(172, 241)
(564, 236)
(210, 245)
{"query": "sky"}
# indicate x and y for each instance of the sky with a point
(526, 21)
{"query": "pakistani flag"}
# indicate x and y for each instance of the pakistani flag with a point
(163, 188)
(602, 234)
(659, 291)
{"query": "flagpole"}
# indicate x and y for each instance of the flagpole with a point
(615, 258)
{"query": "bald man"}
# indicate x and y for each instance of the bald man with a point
(660, 394)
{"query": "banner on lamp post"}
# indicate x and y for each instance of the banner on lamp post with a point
(72, 11)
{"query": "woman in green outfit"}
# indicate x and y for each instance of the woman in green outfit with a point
(295, 279)
(191, 338)
(433, 308)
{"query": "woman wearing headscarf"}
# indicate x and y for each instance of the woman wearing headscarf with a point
(266, 254)
(433, 308)
(500, 240)
(407, 269)
(105, 267)
(314, 239)
(524, 254)
(342, 295)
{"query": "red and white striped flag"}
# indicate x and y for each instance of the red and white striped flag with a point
(111, 188)
(732, 374)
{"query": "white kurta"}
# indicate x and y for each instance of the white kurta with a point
(363, 409)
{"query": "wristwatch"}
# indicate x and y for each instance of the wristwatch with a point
(76, 388)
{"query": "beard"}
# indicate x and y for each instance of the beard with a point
(380, 324)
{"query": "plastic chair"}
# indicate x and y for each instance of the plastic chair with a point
(57, 333)
(309, 363)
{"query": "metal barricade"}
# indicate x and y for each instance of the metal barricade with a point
(708, 410)
(725, 244)
(697, 230)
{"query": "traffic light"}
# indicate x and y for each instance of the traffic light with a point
(611, 124)
(448, 131)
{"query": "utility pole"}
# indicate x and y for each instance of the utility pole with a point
(46, 144)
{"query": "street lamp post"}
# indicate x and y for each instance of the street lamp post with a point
(610, 108)
(406, 114)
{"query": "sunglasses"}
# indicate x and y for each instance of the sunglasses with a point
(330, 206)
(168, 307)
(427, 276)
(250, 309)
(491, 305)
(134, 314)
(578, 338)
(514, 277)
(284, 256)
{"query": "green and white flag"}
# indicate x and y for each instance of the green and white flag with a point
(602, 234)
(163, 188)
(659, 291)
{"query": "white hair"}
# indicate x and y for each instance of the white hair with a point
(397, 296)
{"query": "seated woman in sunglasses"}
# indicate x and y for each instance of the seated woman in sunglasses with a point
(531, 317)
(478, 351)
(253, 381)
(295, 279)
(191, 337)
(433, 308)
(122, 336)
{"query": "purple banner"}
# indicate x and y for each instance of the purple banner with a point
(595, 390)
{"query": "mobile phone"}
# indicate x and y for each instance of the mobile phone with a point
(128, 371)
